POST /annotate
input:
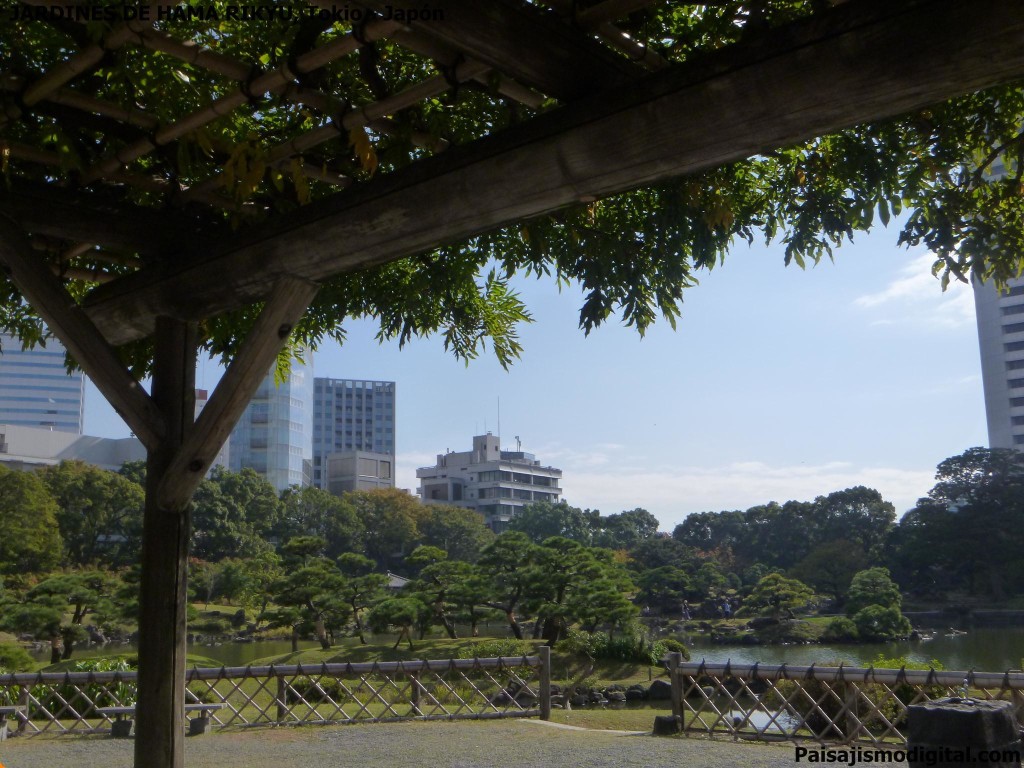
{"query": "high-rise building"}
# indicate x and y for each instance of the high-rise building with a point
(1001, 341)
(36, 390)
(274, 437)
(353, 434)
(221, 459)
(495, 483)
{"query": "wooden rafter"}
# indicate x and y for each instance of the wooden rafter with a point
(863, 61)
(45, 210)
(533, 47)
(67, 320)
(284, 308)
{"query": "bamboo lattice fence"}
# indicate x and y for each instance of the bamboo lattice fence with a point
(844, 705)
(446, 689)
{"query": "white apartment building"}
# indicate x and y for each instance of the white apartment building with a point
(1001, 342)
(36, 390)
(495, 483)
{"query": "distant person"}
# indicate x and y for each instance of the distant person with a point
(686, 611)
(726, 609)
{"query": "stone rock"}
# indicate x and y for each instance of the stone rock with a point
(579, 700)
(667, 725)
(660, 690)
(636, 693)
(760, 622)
(615, 695)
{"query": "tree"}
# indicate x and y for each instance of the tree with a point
(664, 588)
(543, 520)
(362, 589)
(626, 529)
(873, 587)
(315, 512)
(401, 613)
(233, 514)
(99, 513)
(389, 518)
(981, 490)
(777, 596)
(506, 561)
(31, 537)
(857, 515)
(84, 592)
(829, 568)
(310, 597)
(460, 532)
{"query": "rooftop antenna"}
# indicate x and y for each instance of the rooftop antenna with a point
(519, 445)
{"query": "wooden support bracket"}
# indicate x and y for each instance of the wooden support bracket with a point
(73, 327)
(284, 308)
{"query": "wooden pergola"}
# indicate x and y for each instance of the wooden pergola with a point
(121, 245)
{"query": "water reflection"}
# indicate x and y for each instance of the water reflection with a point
(990, 650)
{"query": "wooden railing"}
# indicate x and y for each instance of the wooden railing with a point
(448, 689)
(843, 705)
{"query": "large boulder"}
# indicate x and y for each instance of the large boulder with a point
(660, 690)
(636, 693)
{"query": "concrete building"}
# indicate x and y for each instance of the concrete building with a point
(1001, 342)
(354, 430)
(495, 483)
(356, 471)
(27, 448)
(274, 437)
(202, 397)
(36, 390)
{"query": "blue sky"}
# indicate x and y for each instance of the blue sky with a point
(778, 384)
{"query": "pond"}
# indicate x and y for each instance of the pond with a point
(988, 650)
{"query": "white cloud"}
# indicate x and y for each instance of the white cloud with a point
(672, 493)
(915, 296)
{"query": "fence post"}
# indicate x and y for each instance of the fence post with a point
(852, 719)
(674, 660)
(23, 717)
(282, 701)
(545, 682)
(414, 696)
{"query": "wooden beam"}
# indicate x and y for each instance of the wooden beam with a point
(87, 346)
(532, 46)
(46, 210)
(865, 60)
(163, 589)
(284, 308)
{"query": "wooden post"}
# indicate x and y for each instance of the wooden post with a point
(282, 699)
(23, 700)
(414, 695)
(545, 681)
(674, 660)
(851, 720)
(160, 714)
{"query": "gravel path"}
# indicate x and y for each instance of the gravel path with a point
(503, 744)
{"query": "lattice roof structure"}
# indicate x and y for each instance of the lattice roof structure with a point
(193, 174)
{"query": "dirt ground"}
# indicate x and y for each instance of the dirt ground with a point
(505, 744)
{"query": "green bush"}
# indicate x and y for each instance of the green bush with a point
(14, 658)
(633, 645)
(210, 625)
(507, 646)
(876, 622)
(65, 697)
(840, 630)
